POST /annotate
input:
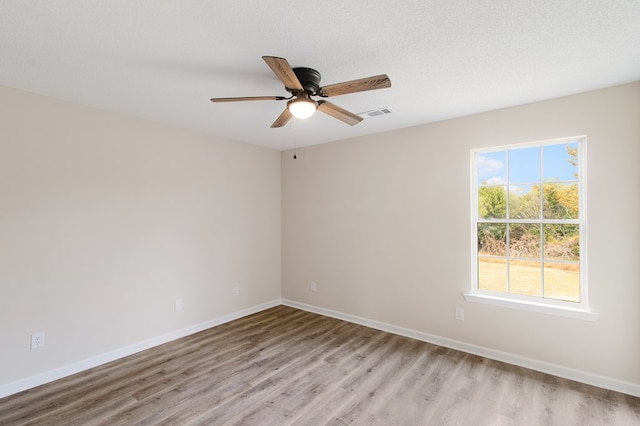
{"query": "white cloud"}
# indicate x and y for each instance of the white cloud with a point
(488, 166)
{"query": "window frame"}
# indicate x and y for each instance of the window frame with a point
(533, 303)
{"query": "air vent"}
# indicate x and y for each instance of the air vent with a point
(376, 112)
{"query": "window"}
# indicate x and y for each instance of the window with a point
(528, 223)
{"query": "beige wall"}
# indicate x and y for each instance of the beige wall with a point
(105, 220)
(382, 224)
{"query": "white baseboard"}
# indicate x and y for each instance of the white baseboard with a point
(76, 367)
(544, 367)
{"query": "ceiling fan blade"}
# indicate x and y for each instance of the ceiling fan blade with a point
(282, 119)
(341, 114)
(283, 71)
(249, 98)
(360, 85)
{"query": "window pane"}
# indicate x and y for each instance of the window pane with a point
(560, 200)
(524, 240)
(492, 202)
(491, 168)
(562, 242)
(492, 239)
(560, 162)
(524, 165)
(492, 274)
(524, 201)
(525, 277)
(562, 281)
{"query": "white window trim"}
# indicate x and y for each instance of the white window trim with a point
(534, 304)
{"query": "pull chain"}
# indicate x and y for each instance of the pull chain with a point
(294, 138)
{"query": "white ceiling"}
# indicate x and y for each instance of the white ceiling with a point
(163, 59)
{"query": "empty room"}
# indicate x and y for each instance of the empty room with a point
(306, 213)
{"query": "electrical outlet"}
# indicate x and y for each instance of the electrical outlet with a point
(236, 291)
(313, 286)
(460, 314)
(178, 305)
(37, 340)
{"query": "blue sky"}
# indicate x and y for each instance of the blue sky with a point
(524, 165)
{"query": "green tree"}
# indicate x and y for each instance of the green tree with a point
(525, 206)
(492, 202)
(560, 200)
(573, 157)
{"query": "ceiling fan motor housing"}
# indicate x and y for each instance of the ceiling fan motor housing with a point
(309, 79)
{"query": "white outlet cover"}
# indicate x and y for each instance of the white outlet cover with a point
(178, 304)
(37, 340)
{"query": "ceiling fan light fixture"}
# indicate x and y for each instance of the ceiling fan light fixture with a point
(302, 107)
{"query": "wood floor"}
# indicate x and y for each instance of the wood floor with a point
(285, 366)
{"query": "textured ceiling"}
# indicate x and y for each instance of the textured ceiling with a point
(163, 59)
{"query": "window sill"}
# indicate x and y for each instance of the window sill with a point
(532, 307)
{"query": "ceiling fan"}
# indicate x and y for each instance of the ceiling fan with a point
(303, 83)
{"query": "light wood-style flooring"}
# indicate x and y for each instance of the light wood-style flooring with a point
(285, 366)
